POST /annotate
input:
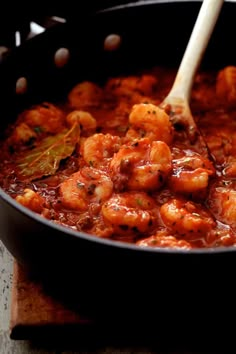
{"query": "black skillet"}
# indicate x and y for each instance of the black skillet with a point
(111, 277)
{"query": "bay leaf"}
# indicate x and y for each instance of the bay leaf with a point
(44, 159)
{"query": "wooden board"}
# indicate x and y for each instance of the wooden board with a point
(38, 316)
(33, 311)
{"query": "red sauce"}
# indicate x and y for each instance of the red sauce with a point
(124, 170)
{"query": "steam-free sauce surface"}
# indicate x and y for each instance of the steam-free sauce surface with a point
(110, 162)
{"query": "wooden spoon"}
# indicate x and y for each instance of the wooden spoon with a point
(177, 101)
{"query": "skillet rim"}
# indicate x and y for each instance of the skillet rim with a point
(107, 242)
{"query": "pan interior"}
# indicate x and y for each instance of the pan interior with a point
(151, 34)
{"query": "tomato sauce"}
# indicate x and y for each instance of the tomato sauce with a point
(110, 162)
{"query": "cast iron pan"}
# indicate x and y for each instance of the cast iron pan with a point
(102, 276)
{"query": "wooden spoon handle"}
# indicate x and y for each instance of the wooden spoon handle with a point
(197, 44)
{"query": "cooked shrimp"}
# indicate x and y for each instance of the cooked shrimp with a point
(186, 219)
(203, 94)
(220, 236)
(31, 200)
(190, 173)
(88, 123)
(130, 212)
(229, 169)
(98, 149)
(87, 186)
(222, 202)
(85, 94)
(219, 146)
(190, 181)
(117, 119)
(163, 239)
(22, 134)
(141, 165)
(148, 120)
(226, 86)
(44, 118)
(132, 87)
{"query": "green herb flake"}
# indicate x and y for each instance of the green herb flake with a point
(122, 129)
(38, 130)
(139, 202)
